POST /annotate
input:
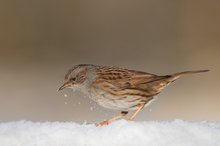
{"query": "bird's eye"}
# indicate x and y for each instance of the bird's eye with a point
(72, 79)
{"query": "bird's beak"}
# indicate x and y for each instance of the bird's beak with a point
(65, 85)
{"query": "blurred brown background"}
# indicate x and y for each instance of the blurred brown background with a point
(41, 39)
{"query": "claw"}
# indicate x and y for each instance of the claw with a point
(104, 123)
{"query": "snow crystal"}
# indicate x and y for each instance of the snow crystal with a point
(119, 133)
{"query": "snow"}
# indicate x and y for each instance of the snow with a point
(119, 133)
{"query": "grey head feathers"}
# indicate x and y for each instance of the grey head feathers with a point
(83, 73)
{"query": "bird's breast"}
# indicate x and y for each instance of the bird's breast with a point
(107, 100)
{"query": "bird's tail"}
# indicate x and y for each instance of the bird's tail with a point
(175, 76)
(164, 81)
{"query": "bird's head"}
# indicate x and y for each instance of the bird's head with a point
(76, 76)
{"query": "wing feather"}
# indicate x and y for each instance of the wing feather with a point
(122, 81)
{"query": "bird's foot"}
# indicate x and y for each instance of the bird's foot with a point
(103, 123)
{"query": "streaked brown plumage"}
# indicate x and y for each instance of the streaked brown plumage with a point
(117, 88)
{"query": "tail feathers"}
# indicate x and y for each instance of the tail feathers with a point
(177, 75)
(164, 81)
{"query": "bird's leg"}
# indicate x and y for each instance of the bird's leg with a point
(106, 122)
(136, 112)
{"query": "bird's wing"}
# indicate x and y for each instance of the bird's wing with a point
(127, 82)
(139, 78)
(124, 78)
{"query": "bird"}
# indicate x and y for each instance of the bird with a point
(118, 88)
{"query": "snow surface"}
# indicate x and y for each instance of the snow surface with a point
(119, 133)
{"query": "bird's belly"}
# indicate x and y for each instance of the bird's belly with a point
(116, 102)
